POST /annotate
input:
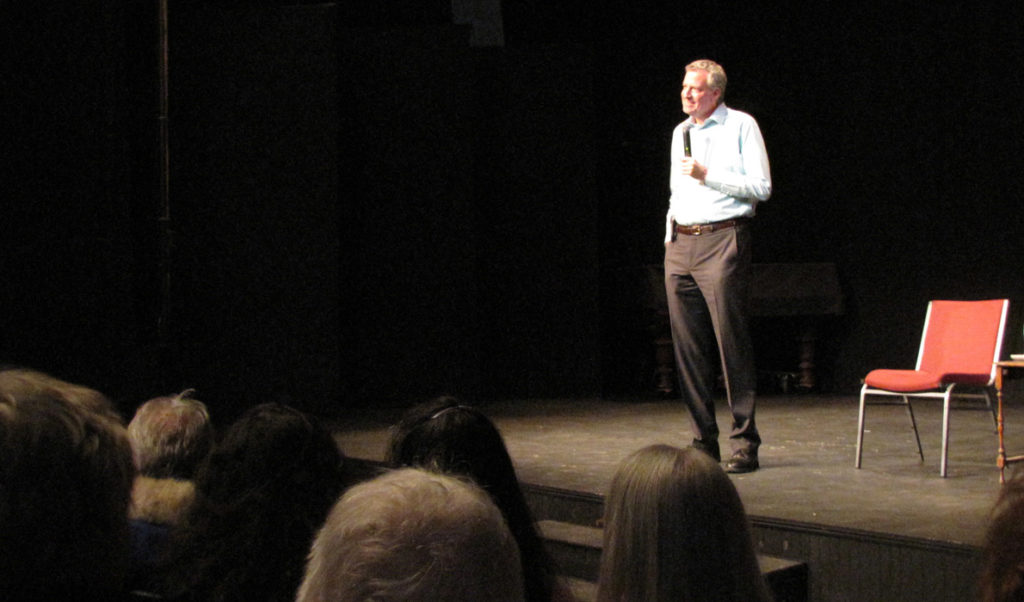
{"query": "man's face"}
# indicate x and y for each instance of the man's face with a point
(699, 101)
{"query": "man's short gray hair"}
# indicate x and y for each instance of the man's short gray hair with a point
(170, 436)
(716, 74)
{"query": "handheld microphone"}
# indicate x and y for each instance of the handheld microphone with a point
(686, 139)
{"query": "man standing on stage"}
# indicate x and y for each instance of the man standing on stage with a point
(719, 173)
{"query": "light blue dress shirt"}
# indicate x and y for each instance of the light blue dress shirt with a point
(730, 146)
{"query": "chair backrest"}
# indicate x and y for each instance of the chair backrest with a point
(963, 339)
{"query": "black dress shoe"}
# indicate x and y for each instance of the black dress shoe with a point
(742, 460)
(708, 447)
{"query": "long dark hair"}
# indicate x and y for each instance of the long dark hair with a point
(261, 495)
(447, 436)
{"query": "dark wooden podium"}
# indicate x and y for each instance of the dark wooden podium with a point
(804, 292)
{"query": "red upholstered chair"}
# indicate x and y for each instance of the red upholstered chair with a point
(960, 345)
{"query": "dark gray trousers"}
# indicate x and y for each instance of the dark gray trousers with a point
(707, 280)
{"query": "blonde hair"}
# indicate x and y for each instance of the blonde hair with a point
(65, 486)
(675, 529)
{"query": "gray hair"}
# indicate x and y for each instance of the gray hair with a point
(170, 436)
(414, 535)
(716, 74)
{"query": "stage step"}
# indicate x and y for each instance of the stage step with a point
(577, 551)
(582, 590)
(568, 521)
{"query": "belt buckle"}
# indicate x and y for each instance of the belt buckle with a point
(698, 229)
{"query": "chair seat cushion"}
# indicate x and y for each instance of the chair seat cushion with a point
(903, 380)
(909, 381)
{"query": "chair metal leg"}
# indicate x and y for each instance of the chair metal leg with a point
(913, 424)
(945, 430)
(992, 408)
(860, 427)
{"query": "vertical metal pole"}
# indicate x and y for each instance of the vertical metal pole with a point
(164, 200)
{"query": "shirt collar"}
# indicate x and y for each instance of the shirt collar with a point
(716, 116)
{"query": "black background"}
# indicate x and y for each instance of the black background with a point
(368, 210)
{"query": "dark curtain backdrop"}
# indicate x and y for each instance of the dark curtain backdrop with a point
(367, 209)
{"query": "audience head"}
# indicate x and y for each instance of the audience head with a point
(447, 436)
(170, 436)
(444, 435)
(65, 484)
(675, 529)
(261, 494)
(413, 535)
(1002, 576)
(273, 453)
(27, 383)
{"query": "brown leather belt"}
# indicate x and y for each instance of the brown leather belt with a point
(698, 229)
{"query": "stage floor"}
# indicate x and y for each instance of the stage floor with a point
(807, 457)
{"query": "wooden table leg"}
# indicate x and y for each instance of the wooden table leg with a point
(1001, 457)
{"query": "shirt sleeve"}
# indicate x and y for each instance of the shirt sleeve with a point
(753, 179)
